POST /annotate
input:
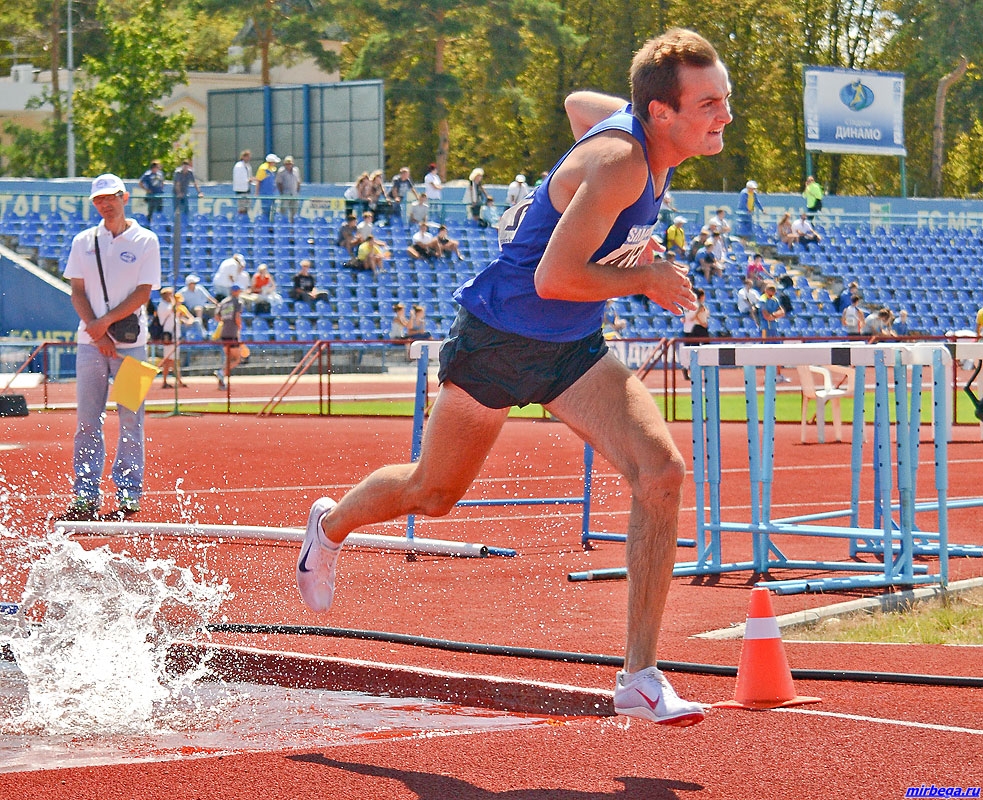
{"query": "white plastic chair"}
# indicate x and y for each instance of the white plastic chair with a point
(821, 393)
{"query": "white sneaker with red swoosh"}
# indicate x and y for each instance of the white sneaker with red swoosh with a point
(317, 560)
(647, 694)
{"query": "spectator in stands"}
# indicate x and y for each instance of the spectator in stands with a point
(304, 286)
(242, 181)
(717, 243)
(706, 262)
(720, 227)
(668, 210)
(613, 325)
(348, 235)
(475, 194)
(696, 243)
(813, 195)
(263, 290)
(366, 227)
(152, 182)
(448, 247)
(424, 244)
(400, 325)
(378, 199)
(845, 297)
(288, 185)
(770, 311)
(171, 322)
(757, 271)
(489, 214)
(979, 324)
(400, 190)
(747, 301)
(357, 195)
(877, 326)
(372, 254)
(517, 190)
(192, 328)
(785, 232)
(197, 299)
(676, 237)
(433, 186)
(419, 210)
(184, 178)
(852, 318)
(229, 316)
(418, 324)
(807, 234)
(901, 326)
(231, 270)
(266, 185)
(747, 202)
(696, 322)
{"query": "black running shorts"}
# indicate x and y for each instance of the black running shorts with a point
(500, 369)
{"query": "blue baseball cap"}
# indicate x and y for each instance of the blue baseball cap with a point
(235, 287)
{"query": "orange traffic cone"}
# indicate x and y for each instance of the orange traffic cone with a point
(763, 677)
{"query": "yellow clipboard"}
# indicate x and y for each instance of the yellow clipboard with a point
(132, 382)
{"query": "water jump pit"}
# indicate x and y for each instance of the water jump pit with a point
(107, 660)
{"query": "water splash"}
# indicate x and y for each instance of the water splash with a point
(91, 637)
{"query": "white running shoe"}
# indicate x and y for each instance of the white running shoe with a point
(647, 694)
(318, 557)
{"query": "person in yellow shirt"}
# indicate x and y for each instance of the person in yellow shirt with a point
(676, 236)
(813, 195)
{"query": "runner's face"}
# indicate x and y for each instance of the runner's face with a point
(697, 128)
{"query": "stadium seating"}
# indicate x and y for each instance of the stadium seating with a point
(894, 267)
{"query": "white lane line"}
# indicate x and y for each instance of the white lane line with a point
(881, 721)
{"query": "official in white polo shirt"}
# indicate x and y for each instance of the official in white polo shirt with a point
(130, 270)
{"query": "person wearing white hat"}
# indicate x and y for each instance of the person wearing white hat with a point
(231, 271)
(266, 184)
(747, 203)
(517, 190)
(475, 196)
(112, 269)
(198, 299)
(676, 236)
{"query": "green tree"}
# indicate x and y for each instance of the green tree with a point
(451, 65)
(280, 31)
(119, 121)
(930, 40)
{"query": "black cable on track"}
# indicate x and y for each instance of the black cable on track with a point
(476, 648)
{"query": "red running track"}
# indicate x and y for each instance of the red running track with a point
(873, 740)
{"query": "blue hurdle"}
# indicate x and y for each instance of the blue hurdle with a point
(896, 543)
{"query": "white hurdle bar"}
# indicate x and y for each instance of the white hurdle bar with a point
(257, 533)
(896, 545)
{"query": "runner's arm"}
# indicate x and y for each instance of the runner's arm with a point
(585, 109)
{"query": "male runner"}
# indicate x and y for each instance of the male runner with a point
(529, 331)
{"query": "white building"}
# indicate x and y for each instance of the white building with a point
(25, 82)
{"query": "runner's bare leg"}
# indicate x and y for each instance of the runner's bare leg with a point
(456, 442)
(612, 411)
